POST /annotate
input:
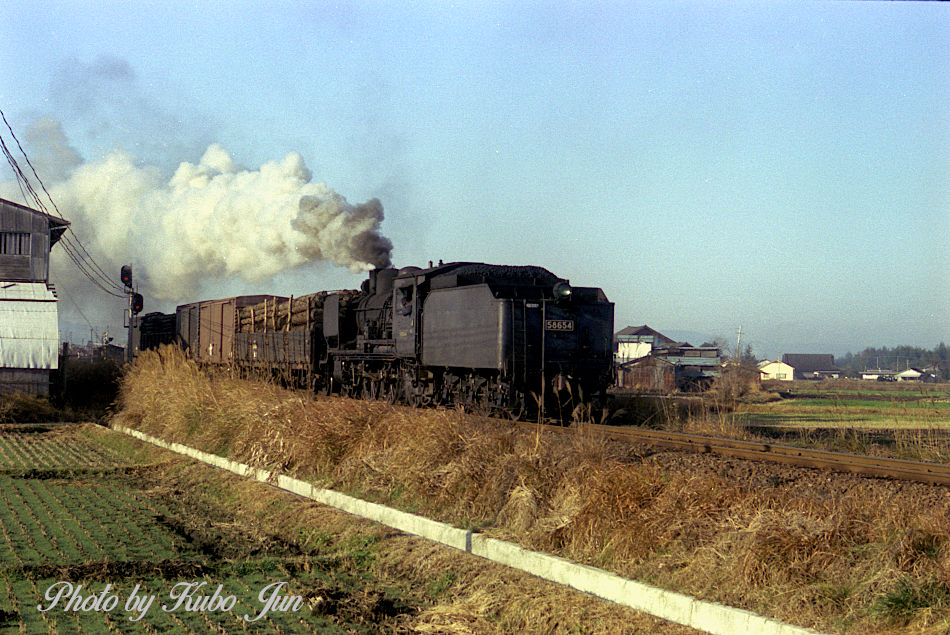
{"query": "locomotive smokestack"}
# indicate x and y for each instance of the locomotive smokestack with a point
(372, 281)
(384, 280)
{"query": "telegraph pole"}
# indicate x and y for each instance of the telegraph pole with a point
(739, 346)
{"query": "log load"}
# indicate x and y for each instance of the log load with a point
(291, 314)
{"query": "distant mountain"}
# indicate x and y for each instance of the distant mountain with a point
(696, 338)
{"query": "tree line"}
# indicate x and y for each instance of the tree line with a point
(898, 358)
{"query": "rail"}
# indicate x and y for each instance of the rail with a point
(902, 469)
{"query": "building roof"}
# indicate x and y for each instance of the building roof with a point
(641, 331)
(810, 363)
(649, 360)
(55, 220)
(769, 362)
(712, 362)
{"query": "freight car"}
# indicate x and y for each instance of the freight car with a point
(156, 329)
(502, 340)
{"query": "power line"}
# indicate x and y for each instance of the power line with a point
(29, 163)
(73, 302)
(77, 253)
(72, 245)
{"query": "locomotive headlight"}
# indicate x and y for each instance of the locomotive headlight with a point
(562, 290)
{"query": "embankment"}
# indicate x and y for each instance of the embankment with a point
(836, 553)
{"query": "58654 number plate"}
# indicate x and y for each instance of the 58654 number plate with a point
(559, 325)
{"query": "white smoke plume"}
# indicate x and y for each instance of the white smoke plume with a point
(211, 220)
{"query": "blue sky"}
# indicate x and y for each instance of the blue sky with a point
(784, 167)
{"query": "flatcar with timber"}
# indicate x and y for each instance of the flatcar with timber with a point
(501, 340)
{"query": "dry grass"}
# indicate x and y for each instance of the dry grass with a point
(835, 552)
(23, 408)
(457, 593)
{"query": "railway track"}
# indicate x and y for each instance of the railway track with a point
(934, 473)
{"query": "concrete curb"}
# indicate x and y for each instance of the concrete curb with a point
(675, 607)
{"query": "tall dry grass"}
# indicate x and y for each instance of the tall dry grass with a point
(839, 553)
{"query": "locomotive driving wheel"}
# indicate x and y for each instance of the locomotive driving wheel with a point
(371, 389)
(408, 391)
(387, 391)
(517, 407)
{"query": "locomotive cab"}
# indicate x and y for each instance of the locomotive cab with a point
(405, 301)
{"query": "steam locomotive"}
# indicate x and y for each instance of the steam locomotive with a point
(510, 341)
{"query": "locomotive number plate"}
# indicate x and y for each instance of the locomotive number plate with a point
(559, 325)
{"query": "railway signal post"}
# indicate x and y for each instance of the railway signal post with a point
(135, 307)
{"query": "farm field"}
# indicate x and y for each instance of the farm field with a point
(80, 511)
(852, 404)
(94, 513)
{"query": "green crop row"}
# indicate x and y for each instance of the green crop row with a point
(75, 509)
(51, 449)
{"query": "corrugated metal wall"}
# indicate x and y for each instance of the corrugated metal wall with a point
(29, 330)
(29, 337)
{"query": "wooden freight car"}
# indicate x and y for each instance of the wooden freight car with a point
(206, 329)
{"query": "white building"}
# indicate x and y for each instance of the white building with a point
(877, 374)
(776, 370)
(911, 374)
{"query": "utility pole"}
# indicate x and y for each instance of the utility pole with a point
(739, 346)
(126, 277)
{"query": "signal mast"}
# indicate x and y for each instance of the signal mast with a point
(135, 307)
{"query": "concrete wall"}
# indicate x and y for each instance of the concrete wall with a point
(675, 607)
(32, 381)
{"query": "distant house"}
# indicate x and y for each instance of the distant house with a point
(776, 370)
(634, 342)
(671, 367)
(811, 366)
(878, 374)
(911, 374)
(696, 366)
(916, 374)
(29, 326)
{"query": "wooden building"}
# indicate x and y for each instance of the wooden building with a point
(29, 324)
(647, 374)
